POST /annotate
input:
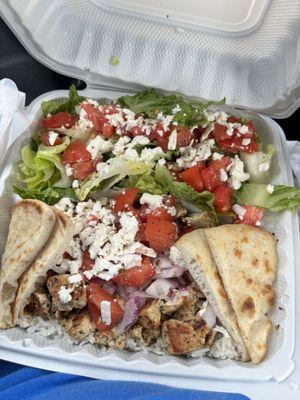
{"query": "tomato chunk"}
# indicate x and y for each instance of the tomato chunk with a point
(95, 115)
(192, 176)
(124, 199)
(161, 137)
(95, 297)
(253, 216)
(58, 120)
(136, 276)
(75, 152)
(108, 130)
(219, 132)
(162, 214)
(223, 199)
(184, 137)
(234, 145)
(211, 178)
(87, 261)
(160, 234)
(83, 169)
(44, 138)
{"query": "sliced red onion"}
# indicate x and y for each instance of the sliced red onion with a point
(110, 287)
(161, 287)
(131, 314)
(208, 315)
(182, 281)
(173, 272)
(122, 292)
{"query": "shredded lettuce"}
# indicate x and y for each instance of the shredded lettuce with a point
(258, 164)
(113, 172)
(50, 196)
(188, 113)
(58, 105)
(148, 184)
(256, 194)
(43, 168)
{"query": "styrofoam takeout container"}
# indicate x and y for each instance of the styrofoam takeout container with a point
(279, 373)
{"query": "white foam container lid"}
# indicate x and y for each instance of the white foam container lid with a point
(279, 372)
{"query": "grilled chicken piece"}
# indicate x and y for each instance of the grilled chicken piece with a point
(201, 220)
(78, 294)
(169, 306)
(187, 312)
(143, 336)
(150, 317)
(77, 323)
(107, 338)
(181, 337)
(39, 304)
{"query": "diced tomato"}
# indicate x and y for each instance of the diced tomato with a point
(108, 130)
(176, 174)
(161, 137)
(83, 169)
(233, 119)
(192, 176)
(184, 137)
(223, 163)
(110, 109)
(169, 200)
(160, 234)
(253, 216)
(136, 276)
(162, 214)
(87, 261)
(124, 199)
(58, 120)
(136, 131)
(251, 130)
(95, 115)
(223, 199)
(44, 138)
(75, 152)
(234, 145)
(141, 236)
(95, 296)
(211, 178)
(219, 132)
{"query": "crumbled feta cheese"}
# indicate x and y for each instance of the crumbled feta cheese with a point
(165, 120)
(120, 146)
(75, 278)
(84, 123)
(258, 223)
(131, 154)
(207, 132)
(172, 143)
(223, 175)
(92, 102)
(105, 312)
(52, 137)
(243, 129)
(69, 170)
(245, 142)
(66, 206)
(139, 140)
(217, 156)
(192, 155)
(270, 188)
(239, 210)
(153, 200)
(230, 129)
(161, 161)
(149, 156)
(237, 174)
(98, 146)
(176, 109)
(75, 184)
(64, 294)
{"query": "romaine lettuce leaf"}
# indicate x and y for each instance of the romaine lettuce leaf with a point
(258, 164)
(148, 184)
(190, 113)
(113, 172)
(58, 105)
(255, 194)
(50, 196)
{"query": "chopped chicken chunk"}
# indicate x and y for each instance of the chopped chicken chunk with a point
(143, 336)
(181, 337)
(187, 312)
(107, 338)
(39, 304)
(150, 317)
(77, 323)
(169, 306)
(76, 291)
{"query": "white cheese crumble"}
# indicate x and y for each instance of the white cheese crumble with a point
(69, 170)
(105, 312)
(243, 129)
(98, 146)
(149, 156)
(75, 278)
(245, 142)
(223, 175)
(176, 109)
(237, 174)
(84, 123)
(239, 210)
(52, 137)
(172, 143)
(75, 184)
(153, 200)
(270, 188)
(217, 156)
(64, 294)
(190, 156)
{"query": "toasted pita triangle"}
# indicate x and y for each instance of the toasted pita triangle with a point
(246, 259)
(49, 256)
(195, 251)
(30, 227)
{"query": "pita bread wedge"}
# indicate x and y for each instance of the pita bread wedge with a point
(30, 227)
(50, 255)
(246, 259)
(195, 251)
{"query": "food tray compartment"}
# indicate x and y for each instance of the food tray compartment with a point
(278, 363)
